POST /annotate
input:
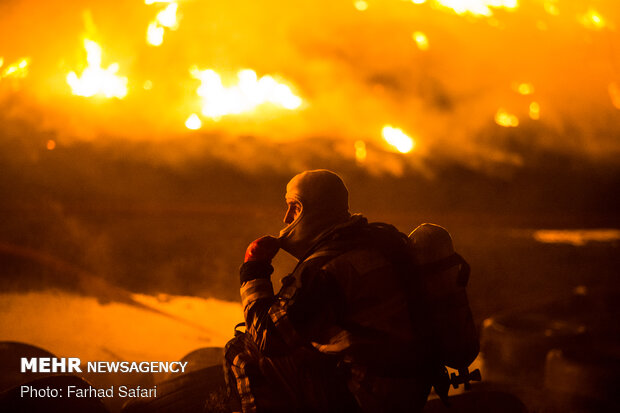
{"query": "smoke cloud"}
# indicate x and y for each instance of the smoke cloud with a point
(356, 71)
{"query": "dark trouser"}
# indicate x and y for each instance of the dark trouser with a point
(391, 394)
(301, 381)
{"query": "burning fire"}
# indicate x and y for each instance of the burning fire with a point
(193, 122)
(19, 69)
(96, 80)
(524, 88)
(593, 20)
(421, 40)
(165, 19)
(398, 139)
(505, 119)
(155, 34)
(249, 93)
(476, 7)
(354, 80)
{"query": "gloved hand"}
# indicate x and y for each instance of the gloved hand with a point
(263, 249)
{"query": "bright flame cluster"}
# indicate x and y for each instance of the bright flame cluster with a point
(165, 19)
(18, 69)
(477, 7)
(398, 139)
(249, 93)
(96, 80)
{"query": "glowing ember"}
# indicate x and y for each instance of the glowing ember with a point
(361, 5)
(250, 92)
(525, 88)
(51, 144)
(421, 40)
(18, 70)
(193, 122)
(96, 80)
(503, 118)
(360, 151)
(551, 7)
(593, 20)
(166, 18)
(398, 139)
(477, 7)
(534, 111)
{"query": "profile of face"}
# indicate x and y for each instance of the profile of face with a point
(293, 210)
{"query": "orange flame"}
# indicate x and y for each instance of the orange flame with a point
(193, 122)
(505, 119)
(18, 70)
(165, 19)
(477, 7)
(96, 80)
(421, 40)
(248, 94)
(398, 139)
(593, 20)
(524, 88)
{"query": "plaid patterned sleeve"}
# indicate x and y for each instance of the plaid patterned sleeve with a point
(254, 290)
(268, 316)
(279, 317)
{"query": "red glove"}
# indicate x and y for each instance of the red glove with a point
(263, 249)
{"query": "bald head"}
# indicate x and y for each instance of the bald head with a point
(319, 190)
(317, 200)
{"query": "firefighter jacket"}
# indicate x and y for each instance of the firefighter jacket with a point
(346, 299)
